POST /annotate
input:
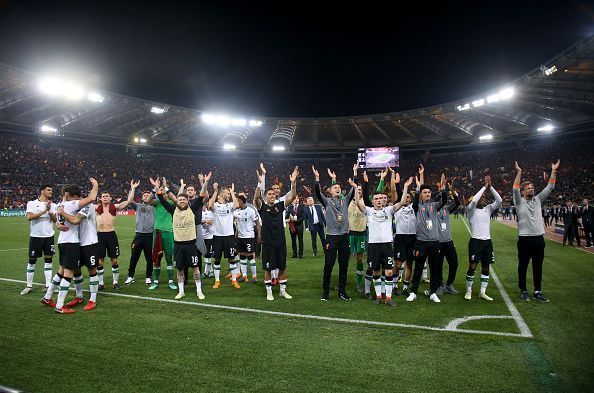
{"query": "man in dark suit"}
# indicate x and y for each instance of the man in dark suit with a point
(295, 214)
(587, 220)
(315, 221)
(570, 221)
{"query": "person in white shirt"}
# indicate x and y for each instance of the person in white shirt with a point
(68, 244)
(245, 243)
(379, 252)
(86, 219)
(41, 214)
(223, 240)
(480, 246)
(207, 228)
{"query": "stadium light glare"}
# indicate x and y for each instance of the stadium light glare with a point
(550, 70)
(229, 146)
(48, 129)
(95, 97)
(255, 123)
(239, 122)
(50, 86)
(278, 148)
(507, 93)
(493, 98)
(143, 141)
(157, 110)
(55, 87)
(486, 137)
(546, 129)
(464, 107)
(136, 140)
(478, 103)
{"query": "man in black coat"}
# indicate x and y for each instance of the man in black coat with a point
(295, 215)
(570, 221)
(587, 220)
(315, 221)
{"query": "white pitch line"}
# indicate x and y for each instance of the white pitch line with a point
(524, 329)
(301, 316)
(15, 249)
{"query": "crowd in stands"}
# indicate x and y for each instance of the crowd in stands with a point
(26, 162)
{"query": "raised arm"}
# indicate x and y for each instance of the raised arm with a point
(204, 187)
(358, 199)
(479, 194)
(317, 189)
(258, 192)
(544, 194)
(92, 196)
(213, 197)
(234, 197)
(293, 192)
(394, 182)
(382, 182)
(133, 186)
(182, 186)
(421, 174)
(402, 201)
(516, 195)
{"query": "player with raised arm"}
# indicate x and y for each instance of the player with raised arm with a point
(480, 246)
(274, 245)
(68, 245)
(163, 233)
(223, 239)
(337, 233)
(186, 214)
(41, 214)
(246, 220)
(108, 239)
(380, 254)
(427, 242)
(447, 248)
(143, 237)
(531, 242)
(357, 232)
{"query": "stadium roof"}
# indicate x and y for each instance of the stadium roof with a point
(557, 96)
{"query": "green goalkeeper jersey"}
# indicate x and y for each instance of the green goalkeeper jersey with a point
(163, 220)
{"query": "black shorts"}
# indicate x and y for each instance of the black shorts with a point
(246, 245)
(208, 244)
(88, 256)
(274, 256)
(480, 251)
(69, 255)
(40, 246)
(380, 255)
(404, 246)
(185, 255)
(531, 246)
(109, 241)
(223, 246)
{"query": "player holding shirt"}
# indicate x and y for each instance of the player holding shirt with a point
(41, 214)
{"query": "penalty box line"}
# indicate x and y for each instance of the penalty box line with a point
(524, 329)
(450, 327)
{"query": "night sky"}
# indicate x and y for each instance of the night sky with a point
(295, 60)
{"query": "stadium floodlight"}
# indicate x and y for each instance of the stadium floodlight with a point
(478, 103)
(493, 98)
(95, 97)
(73, 91)
(157, 110)
(48, 129)
(255, 123)
(278, 148)
(550, 70)
(136, 140)
(507, 93)
(464, 107)
(143, 141)
(238, 122)
(486, 137)
(546, 129)
(56, 88)
(50, 86)
(229, 146)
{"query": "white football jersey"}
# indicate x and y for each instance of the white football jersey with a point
(207, 229)
(71, 235)
(406, 221)
(246, 219)
(43, 225)
(379, 223)
(88, 226)
(223, 219)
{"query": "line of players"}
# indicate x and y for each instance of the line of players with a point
(356, 222)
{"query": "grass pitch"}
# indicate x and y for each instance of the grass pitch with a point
(243, 342)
